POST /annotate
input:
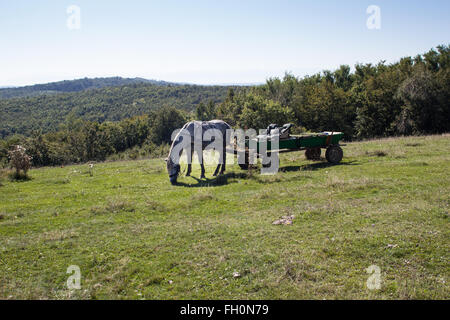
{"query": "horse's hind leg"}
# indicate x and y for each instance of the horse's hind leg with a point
(217, 170)
(222, 170)
(202, 167)
(189, 166)
(221, 164)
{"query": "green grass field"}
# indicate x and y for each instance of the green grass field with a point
(135, 236)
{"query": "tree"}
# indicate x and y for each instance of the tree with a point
(38, 149)
(377, 106)
(258, 113)
(163, 124)
(200, 111)
(426, 104)
(205, 112)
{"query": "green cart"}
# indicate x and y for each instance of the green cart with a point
(311, 143)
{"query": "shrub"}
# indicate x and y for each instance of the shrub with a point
(20, 161)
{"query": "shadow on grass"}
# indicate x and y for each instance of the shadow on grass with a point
(214, 182)
(233, 176)
(316, 166)
(18, 177)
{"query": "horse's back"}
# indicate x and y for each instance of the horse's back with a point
(206, 125)
(221, 123)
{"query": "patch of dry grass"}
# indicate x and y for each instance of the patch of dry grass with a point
(59, 235)
(114, 205)
(203, 195)
(155, 206)
(343, 184)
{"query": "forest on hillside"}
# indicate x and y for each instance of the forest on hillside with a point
(47, 112)
(409, 97)
(72, 86)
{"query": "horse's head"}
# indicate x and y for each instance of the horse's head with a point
(173, 169)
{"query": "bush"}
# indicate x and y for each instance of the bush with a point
(20, 161)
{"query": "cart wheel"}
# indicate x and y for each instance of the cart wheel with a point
(313, 153)
(334, 154)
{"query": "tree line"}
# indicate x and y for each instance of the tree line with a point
(404, 98)
(81, 140)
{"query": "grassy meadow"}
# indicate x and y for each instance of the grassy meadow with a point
(135, 236)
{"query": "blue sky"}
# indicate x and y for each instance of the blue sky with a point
(211, 41)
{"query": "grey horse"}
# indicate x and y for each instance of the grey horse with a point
(194, 131)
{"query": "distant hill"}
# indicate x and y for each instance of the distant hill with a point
(46, 111)
(72, 86)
